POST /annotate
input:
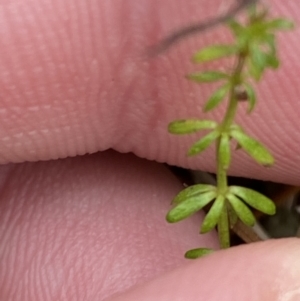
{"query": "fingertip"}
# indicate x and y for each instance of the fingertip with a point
(261, 271)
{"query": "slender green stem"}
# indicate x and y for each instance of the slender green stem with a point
(228, 120)
(233, 102)
(221, 172)
(223, 229)
(222, 185)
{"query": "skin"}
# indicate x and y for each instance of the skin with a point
(75, 81)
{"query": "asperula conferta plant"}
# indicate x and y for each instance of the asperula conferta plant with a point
(254, 51)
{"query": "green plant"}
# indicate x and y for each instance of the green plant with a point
(254, 50)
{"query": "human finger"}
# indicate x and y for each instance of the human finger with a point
(85, 228)
(75, 80)
(256, 272)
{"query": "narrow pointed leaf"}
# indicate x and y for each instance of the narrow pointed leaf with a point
(224, 153)
(188, 126)
(269, 40)
(236, 27)
(258, 57)
(258, 60)
(242, 41)
(207, 76)
(212, 217)
(254, 70)
(280, 24)
(189, 207)
(242, 210)
(192, 192)
(272, 61)
(256, 30)
(214, 52)
(251, 96)
(216, 98)
(235, 126)
(232, 216)
(253, 147)
(196, 253)
(254, 199)
(203, 143)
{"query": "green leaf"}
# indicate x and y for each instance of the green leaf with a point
(254, 71)
(189, 207)
(251, 96)
(257, 61)
(188, 126)
(212, 217)
(233, 218)
(243, 39)
(253, 147)
(237, 28)
(242, 210)
(216, 97)
(207, 76)
(254, 199)
(280, 24)
(236, 127)
(224, 154)
(256, 30)
(196, 253)
(214, 52)
(272, 61)
(203, 143)
(192, 191)
(269, 40)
